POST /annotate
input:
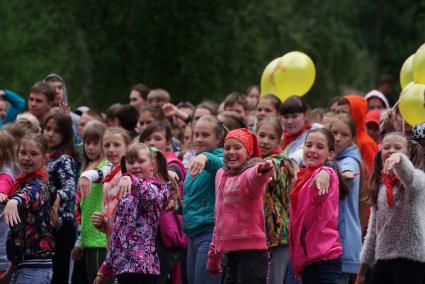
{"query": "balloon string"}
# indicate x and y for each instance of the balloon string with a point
(392, 109)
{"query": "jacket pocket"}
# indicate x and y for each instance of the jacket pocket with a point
(230, 227)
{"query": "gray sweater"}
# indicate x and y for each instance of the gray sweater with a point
(398, 232)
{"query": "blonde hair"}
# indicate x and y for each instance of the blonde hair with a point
(7, 150)
(120, 131)
(159, 94)
(29, 121)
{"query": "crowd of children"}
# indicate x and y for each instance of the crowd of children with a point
(249, 190)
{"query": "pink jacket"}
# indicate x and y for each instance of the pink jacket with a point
(313, 233)
(239, 213)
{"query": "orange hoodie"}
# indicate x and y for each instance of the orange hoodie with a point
(367, 146)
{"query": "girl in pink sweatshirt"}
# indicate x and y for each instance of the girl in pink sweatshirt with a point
(239, 215)
(314, 243)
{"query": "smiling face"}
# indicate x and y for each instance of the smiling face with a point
(52, 134)
(268, 139)
(342, 135)
(293, 122)
(316, 149)
(30, 156)
(141, 166)
(204, 136)
(114, 148)
(393, 143)
(157, 139)
(235, 154)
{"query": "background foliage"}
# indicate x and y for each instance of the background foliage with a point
(201, 49)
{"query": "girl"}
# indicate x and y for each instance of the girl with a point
(294, 118)
(239, 229)
(114, 143)
(268, 106)
(132, 257)
(149, 114)
(395, 239)
(173, 242)
(203, 109)
(30, 244)
(199, 197)
(315, 247)
(91, 243)
(7, 176)
(349, 163)
(276, 199)
(62, 169)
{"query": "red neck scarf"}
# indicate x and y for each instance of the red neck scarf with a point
(24, 177)
(390, 181)
(288, 138)
(113, 173)
(276, 151)
(302, 176)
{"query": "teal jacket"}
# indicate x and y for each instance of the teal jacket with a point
(199, 196)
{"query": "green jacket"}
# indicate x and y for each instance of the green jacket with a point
(199, 196)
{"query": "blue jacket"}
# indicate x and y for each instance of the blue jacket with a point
(17, 105)
(348, 217)
(199, 196)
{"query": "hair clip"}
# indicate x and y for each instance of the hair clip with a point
(154, 150)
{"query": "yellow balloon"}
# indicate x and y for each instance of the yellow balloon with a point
(267, 79)
(406, 72)
(419, 65)
(412, 104)
(294, 74)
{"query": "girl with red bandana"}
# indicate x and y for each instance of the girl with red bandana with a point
(239, 230)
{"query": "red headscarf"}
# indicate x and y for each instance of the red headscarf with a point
(248, 140)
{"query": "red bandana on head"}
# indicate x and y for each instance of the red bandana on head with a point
(248, 139)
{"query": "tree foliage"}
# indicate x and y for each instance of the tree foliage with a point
(201, 50)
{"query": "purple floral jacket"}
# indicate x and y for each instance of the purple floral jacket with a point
(132, 243)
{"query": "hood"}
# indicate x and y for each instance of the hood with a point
(378, 95)
(358, 111)
(352, 152)
(65, 92)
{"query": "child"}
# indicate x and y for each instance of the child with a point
(239, 229)
(315, 246)
(62, 168)
(276, 199)
(350, 164)
(91, 243)
(132, 257)
(199, 197)
(294, 112)
(30, 244)
(173, 244)
(268, 106)
(158, 97)
(8, 172)
(395, 239)
(126, 117)
(114, 143)
(357, 107)
(236, 102)
(203, 109)
(149, 114)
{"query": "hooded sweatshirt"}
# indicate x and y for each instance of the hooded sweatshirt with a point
(349, 228)
(75, 118)
(378, 95)
(367, 146)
